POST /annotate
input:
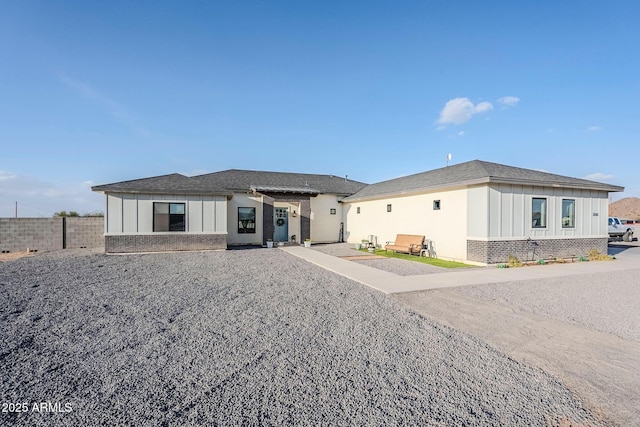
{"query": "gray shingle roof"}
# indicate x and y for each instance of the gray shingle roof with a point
(165, 184)
(244, 180)
(225, 182)
(473, 172)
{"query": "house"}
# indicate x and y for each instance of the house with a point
(232, 207)
(483, 212)
(476, 211)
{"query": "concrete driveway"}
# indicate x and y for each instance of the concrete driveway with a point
(583, 329)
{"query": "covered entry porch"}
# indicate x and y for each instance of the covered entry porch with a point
(286, 216)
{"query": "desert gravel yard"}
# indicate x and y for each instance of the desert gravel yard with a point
(256, 337)
(391, 265)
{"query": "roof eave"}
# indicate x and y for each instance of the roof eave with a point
(484, 180)
(582, 186)
(158, 192)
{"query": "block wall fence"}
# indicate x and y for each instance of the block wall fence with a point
(50, 234)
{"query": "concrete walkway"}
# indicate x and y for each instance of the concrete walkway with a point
(390, 283)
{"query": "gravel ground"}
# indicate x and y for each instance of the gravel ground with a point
(403, 267)
(338, 249)
(602, 302)
(254, 337)
(397, 266)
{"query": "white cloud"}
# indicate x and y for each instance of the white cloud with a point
(594, 128)
(41, 198)
(6, 176)
(509, 101)
(599, 176)
(459, 110)
(461, 133)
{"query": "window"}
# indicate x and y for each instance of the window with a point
(332, 211)
(246, 220)
(358, 210)
(539, 213)
(568, 213)
(388, 208)
(168, 217)
(436, 205)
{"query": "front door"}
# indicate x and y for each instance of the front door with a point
(281, 225)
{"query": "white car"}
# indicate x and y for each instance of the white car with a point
(618, 229)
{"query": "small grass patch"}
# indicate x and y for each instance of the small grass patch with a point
(425, 260)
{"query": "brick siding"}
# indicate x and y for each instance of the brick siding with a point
(128, 243)
(498, 251)
(267, 219)
(267, 213)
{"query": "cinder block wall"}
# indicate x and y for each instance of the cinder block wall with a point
(41, 234)
(85, 232)
(46, 234)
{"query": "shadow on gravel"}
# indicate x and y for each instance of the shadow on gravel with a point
(243, 247)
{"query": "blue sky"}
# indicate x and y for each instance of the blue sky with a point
(100, 92)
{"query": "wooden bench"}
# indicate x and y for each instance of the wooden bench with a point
(406, 243)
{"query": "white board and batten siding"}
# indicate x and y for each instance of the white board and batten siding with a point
(504, 211)
(446, 227)
(133, 213)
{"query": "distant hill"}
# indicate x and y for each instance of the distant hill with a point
(628, 208)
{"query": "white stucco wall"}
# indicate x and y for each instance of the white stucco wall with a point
(133, 213)
(478, 211)
(244, 201)
(325, 227)
(510, 213)
(446, 227)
